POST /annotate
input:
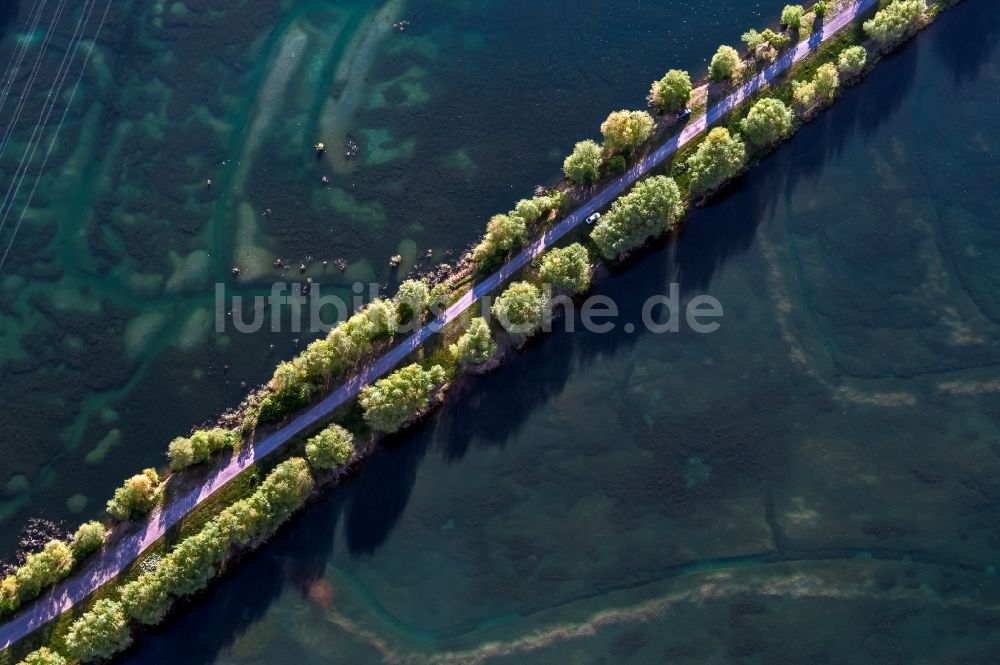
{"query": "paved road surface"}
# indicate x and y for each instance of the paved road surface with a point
(110, 563)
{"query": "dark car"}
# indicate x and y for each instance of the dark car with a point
(683, 114)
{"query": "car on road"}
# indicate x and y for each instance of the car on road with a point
(593, 218)
(683, 114)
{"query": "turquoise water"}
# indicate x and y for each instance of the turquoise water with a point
(815, 482)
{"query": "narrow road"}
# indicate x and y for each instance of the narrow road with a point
(109, 563)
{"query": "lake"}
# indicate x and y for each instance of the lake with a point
(814, 482)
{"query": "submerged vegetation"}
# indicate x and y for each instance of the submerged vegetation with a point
(653, 207)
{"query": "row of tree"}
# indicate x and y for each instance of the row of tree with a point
(296, 381)
(185, 451)
(104, 630)
(44, 568)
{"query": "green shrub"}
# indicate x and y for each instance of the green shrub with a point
(805, 97)
(332, 447)
(852, 61)
(791, 16)
(43, 656)
(652, 207)
(672, 92)
(767, 122)
(827, 82)
(390, 402)
(616, 164)
(10, 596)
(719, 158)
(277, 406)
(100, 633)
(567, 268)
(820, 9)
(584, 163)
(895, 22)
(136, 497)
(202, 444)
(87, 539)
(521, 309)
(503, 233)
(43, 569)
(725, 64)
(624, 131)
(476, 345)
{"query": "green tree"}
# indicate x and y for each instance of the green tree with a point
(653, 207)
(584, 163)
(43, 569)
(136, 497)
(623, 131)
(332, 447)
(202, 444)
(403, 395)
(440, 294)
(719, 158)
(521, 309)
(767, 122)
(476, 345)
(791, 16)
(896, 21)
(87, 539)
(567, 268)
(413, 298)
(820, 9)
(852, 60)
(672, 92)
(827, 81)
(43, 656)
(725, 64)
(503, 233)
(10, 595)
(383, 316)
(805, 97)
(147, 598)
(100, 633)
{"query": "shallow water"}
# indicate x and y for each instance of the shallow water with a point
(815, 482)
